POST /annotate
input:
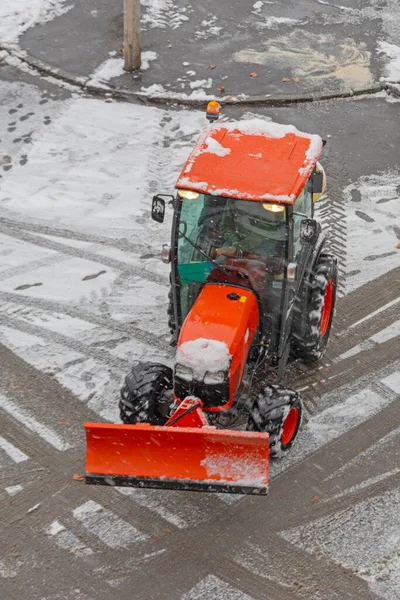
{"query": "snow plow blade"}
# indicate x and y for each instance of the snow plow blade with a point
(181, 458)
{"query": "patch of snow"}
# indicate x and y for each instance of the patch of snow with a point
(242, 470)
(274, 22)
(201, 83)
(214, 147)
(371, 207)
(113, 67)
(204, 355)
(392, 69)
(19, 15)
(162, 14)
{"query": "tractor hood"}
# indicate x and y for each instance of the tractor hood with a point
(224, 313)
(217, 333)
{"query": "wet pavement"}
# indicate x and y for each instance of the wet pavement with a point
(225, 49)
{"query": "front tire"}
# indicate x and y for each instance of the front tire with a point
(146, 396)
(314, 312)
(277, 411)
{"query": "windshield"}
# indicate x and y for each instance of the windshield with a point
(244, 237)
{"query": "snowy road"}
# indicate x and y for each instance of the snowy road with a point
(83, 293)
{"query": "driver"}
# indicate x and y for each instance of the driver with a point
(250, 227)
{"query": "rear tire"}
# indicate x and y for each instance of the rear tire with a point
(314, 312)
(277, 411)
(146, 396)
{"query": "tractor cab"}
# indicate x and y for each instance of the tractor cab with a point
(243, 216)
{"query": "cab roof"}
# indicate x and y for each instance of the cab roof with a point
(251, 160)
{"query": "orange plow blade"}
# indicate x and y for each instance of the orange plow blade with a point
(184, 458)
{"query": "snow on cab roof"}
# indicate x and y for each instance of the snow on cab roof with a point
(251, 160)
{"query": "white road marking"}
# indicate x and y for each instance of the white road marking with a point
(67, 540)
(376, 312)
(31, 423)
(211, 587)
(363, 538)
(392, 382)
(330, 424)
(16, 455)
(180, 510)
(143, 498)
(378, 338)
(12, 490)
(104, 524)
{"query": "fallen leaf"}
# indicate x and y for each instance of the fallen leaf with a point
(221, 88)
(253, 74)
(63, 421)
(212, 66)
(316, 499)
(78, 477)
(108, 100)
(122, 52)
(285, 79)
(398, 246)
(15, 386)
(296, 79)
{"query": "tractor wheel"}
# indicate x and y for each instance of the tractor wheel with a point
(146, 396)
(171, 312)
(314, 313)
(277, 411)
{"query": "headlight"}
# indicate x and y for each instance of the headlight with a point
(214, 378)
(183, 372)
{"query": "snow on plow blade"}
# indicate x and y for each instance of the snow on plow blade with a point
(182, 458)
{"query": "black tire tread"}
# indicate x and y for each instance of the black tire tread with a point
(141, 392)
(307, 343)
(268, 413)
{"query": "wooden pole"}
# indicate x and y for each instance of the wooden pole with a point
(132, 44)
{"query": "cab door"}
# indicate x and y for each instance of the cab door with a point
(298, 256)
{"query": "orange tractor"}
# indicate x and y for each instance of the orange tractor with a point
(252, 287)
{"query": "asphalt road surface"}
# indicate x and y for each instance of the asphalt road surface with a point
(329, 527)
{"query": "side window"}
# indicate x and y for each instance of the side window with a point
(304, 206)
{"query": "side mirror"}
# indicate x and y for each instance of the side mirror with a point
(317, 182)
(158, 207)
(309, 231)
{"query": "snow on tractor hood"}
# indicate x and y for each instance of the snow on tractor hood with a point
(251, 160)
(204, 355)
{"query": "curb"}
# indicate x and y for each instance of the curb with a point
(84, 83)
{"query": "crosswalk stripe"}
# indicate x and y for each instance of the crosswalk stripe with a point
(31, 423)
(213, 587)
(104, 524)
(67, 540)
(12, 490)
(14, 453)
(392, 382)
